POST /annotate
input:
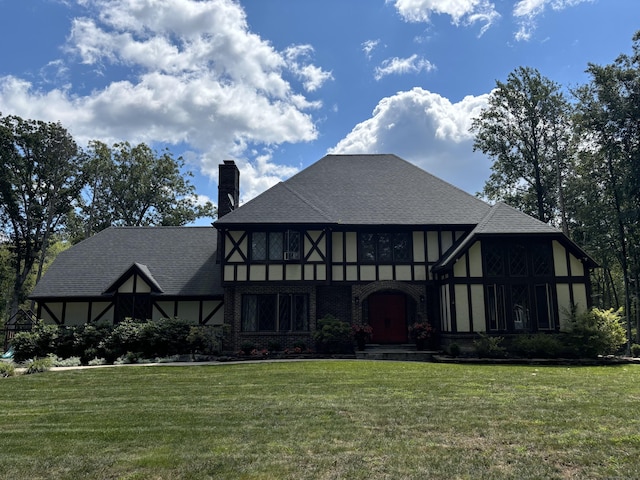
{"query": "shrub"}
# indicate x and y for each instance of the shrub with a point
(454, 350)
(204, 339)
(489, 347)
(123, 338)
(596, 332)
(39, 342)
(274, 346)
(537, 345)
(39, 365)
(163, 338)
(635, 350)
(64, 362)
(7, 369)
(333, 335)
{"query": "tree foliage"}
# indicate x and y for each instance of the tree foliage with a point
(607, 206)
(525, 130)
(135, 186)
(41, 179)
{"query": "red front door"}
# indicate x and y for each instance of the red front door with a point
(387, 317)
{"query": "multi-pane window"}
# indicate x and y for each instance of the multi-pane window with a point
(520, 297)
(275, 313)
(520, 307)
(385, 247)
(136, 306)
(275, 246)
(514, 259)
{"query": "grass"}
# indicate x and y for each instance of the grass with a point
(322, 420)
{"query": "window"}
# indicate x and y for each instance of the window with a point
(544, 311)
(276, 246)
(518, 259)
(135, 306)
(495, 307)
(275, 313)
(385, 247)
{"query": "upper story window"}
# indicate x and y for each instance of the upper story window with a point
(275, 246)
(384, 247)
(513, 259)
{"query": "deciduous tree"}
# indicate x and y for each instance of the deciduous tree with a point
(526, 130)
(39, 184)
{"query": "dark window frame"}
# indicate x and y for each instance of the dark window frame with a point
(265, 243)
(385, 247)
(275, 312)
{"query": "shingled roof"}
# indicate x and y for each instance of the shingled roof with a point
(361, 190)
(180, 260)
(505, 220)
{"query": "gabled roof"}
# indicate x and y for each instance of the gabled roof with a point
(174, 260)
(505, 221)
(140, 270)
(361, 190)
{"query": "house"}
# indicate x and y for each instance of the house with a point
(369, 239)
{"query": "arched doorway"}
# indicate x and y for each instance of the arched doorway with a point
(387, 313)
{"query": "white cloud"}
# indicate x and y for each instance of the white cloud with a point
(526, 12)
(462, 12)
(312, 77)
(428, 130)
(397, 66)
(369, 46)
(194, 74)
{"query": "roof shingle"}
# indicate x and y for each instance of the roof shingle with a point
(182, 260)
(361, 190)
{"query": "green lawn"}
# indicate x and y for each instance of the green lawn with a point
(322, 420)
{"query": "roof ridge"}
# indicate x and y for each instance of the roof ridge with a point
(307, 202)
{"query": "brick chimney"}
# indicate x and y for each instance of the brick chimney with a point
(228, 187)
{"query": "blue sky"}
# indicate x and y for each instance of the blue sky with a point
(277, 84)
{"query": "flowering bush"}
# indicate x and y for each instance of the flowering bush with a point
(360, 330)
(421, 331)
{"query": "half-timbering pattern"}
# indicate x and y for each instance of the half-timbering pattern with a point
(369, 239)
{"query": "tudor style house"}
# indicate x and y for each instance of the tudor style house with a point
(370, 239)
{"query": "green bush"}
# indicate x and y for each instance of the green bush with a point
(333, 335)
(123, 338)
(204, 339)
(596, 332)
(39, 365)
(489, 347)
(635, 350)
(7, 369)
(39, 342)
(537, 345)
(163, 338)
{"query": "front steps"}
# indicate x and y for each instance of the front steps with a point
(400, 353)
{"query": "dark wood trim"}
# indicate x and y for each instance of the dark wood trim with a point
(212, 314)
(236, 246)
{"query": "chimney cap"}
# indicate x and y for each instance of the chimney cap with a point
(229, 162)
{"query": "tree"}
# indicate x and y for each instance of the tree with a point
(39, 184)
(608, 115)
(526, 131)
(135, 186)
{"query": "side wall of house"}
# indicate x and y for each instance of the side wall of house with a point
(204, 311)
(512, 294)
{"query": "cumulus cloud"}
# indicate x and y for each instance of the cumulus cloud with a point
(526, 12)
(193, 73)
(397, 66)
(462, 12)
(427, 130)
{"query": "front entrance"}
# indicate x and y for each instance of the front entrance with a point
(387, 314)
